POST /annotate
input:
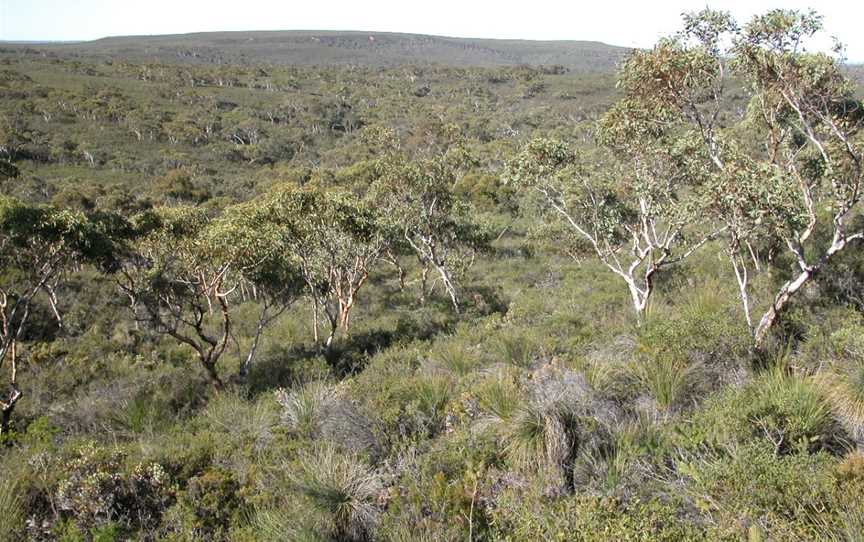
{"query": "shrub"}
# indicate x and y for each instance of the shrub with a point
(440, 493)
(209, 505)
(790, 497)
(785, 409)
(519, 517)
(95, 490)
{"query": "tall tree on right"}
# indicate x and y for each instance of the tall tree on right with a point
(787, 171)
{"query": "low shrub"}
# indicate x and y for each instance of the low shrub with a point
(787, 497)
(210, 505)
(518, 517)
(786, 410)
(97, 490)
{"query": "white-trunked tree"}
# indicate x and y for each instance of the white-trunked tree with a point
(787, 173)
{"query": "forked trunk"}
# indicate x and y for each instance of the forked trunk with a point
(639, 298)
(212, 375)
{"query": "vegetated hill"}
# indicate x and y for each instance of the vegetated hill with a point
(335, 47)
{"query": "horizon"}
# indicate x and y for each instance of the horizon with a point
(21, 21)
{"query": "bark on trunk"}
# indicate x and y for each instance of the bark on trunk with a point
(212, 375)
(6, 412)
(780, 301)
(742, 277)
(449, 286)
(5, 419)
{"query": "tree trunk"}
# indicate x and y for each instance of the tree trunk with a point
(333, 319)
(212, 375)
(780, 301)
(793, 286)
(315, 319)
(247, 361)
(638, 298)
(449, 286)
(741, 276)
(5, 418)
(424, 281)
(6, 409)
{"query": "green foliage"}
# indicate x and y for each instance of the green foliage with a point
(792, 496)
(591, 519)
(96, 490)
(209, 504)
(786, 410)
(240, 207)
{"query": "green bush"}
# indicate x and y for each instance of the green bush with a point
(790, 497)
(95, 490)
(786, 410)
(210, 504)
(518, 518)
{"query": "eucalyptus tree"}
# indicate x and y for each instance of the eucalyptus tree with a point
(790, 169)
(260, 263)
(417, 198)
(337, 240)
(638, 217)
(178, 286)
(806, 111)
(40, 246)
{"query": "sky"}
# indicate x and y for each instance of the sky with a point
(632, 24)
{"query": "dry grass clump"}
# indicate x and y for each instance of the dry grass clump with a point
(321, 410)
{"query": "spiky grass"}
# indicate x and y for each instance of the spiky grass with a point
(282, 524)
(669, 381)
(844, 389)
(794, 403)
(456, 357)
(517, 349)
(498, 398)
(302, 409)
(242, 419)
(536, 436)
(605, 464)
(342, 488)
(433, 393)
(11, 511)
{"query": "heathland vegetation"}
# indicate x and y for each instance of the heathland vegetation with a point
(246, 295)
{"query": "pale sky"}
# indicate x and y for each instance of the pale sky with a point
(633, 24)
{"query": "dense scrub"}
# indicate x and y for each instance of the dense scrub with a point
(238, 210)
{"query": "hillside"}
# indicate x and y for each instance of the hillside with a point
(340, 48)
(317, 287)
